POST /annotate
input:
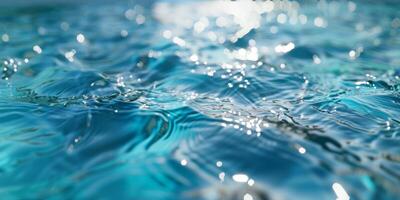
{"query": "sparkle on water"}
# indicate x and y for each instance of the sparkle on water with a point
(200, 100)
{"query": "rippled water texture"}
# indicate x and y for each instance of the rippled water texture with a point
(200, 100)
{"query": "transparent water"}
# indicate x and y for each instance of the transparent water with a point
(200, 100)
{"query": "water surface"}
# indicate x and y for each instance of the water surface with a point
(200, 100)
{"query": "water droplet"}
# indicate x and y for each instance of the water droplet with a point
(80, 38)
(184, 162)
(5, 37)
(37, 49)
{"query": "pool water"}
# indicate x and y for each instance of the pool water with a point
(200, 100)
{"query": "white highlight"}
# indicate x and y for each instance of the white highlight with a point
(240, 178)
(284, 48)
(340, 192)
(183, 162)
(80, 38)
(247, 196)
(37, 49)
(302, 150)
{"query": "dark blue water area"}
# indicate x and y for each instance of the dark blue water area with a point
(200, 100)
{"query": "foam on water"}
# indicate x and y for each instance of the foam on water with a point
(200, 100)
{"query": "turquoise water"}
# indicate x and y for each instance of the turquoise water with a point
(200, 100)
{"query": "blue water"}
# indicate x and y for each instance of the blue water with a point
(200, 100)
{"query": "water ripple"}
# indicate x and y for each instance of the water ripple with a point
(224, 100)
